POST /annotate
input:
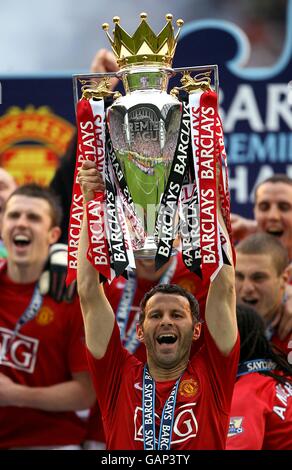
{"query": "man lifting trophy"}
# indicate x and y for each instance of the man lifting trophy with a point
(161, 156)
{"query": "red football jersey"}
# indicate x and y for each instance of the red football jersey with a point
(46, 351)
(114, 292)
(261, 414)
(202, 406)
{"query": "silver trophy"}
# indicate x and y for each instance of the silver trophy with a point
(144, 124)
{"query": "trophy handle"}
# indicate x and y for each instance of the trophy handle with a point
(91, 88)
(201, 72)
(98, 90)
(201, 81)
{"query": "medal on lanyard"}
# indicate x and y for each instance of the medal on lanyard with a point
(167, 418)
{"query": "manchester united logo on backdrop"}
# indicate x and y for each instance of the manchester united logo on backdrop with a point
(31, 143)
(188, 388)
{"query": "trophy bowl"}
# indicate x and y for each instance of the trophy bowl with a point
(144, 126)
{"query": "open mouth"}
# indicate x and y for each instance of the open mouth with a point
(167, 339)
(21, 241)
(251, 302)
(275, 232)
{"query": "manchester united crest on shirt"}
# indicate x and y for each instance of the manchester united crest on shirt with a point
(188, 388)
(45, 316)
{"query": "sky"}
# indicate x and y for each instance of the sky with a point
(64, 35)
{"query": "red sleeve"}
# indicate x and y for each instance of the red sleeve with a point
(222, 369)
(246, 432)
(248, 415)
(107, 372)
(76, 350)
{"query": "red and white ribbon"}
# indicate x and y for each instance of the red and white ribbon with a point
(86, 149)
(90, 146)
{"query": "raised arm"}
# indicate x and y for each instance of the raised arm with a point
(221, 304)
(97, 313)
(242, 227)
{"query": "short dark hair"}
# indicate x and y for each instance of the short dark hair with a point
(265, 244)
(276, 178)
(42, 192)
(255, 345)
(175, 290)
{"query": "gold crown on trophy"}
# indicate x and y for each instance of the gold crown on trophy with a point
(144, 47)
